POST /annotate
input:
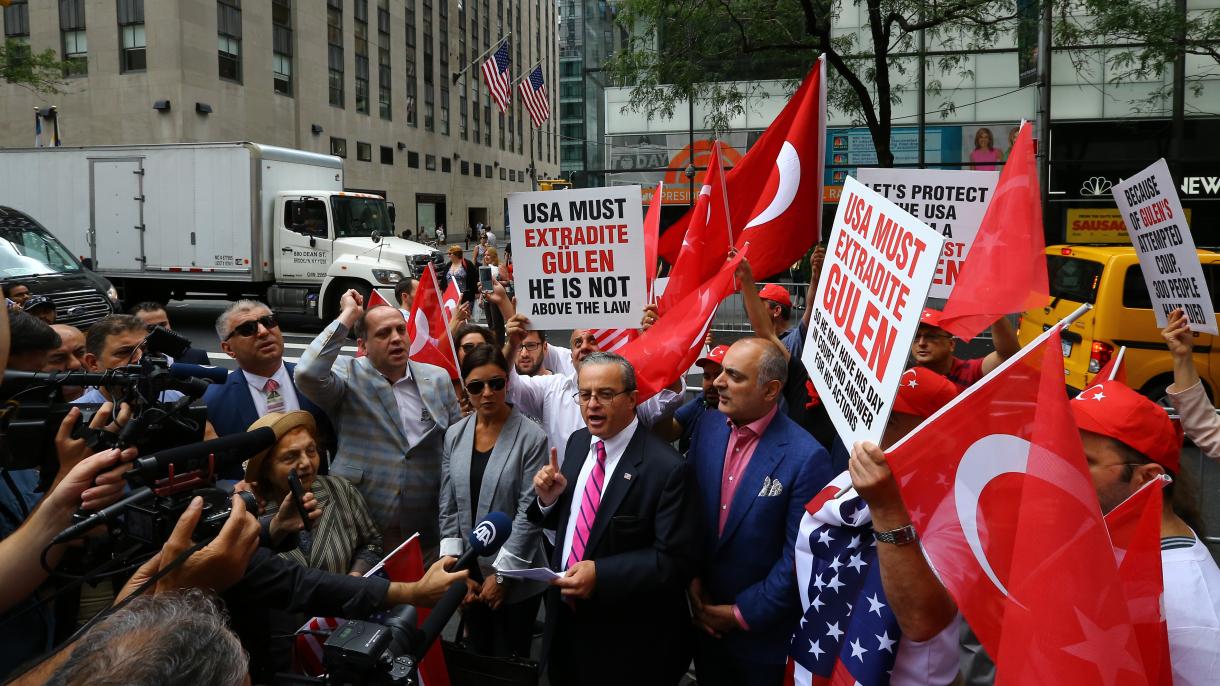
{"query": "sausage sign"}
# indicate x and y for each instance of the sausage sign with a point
(880, 262)
(578, 257)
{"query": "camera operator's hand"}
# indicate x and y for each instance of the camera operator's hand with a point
(94, 483)
(215, 567)
(71, 451)
(286, 520)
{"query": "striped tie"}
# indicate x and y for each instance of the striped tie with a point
(588, 505)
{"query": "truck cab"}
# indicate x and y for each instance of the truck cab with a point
(342, 240)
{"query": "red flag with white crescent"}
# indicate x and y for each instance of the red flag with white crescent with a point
(997, 486)
(427, 329)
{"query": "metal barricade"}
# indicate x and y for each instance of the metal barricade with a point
(731, 316)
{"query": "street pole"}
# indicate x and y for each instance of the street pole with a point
(921, 101)
(1043, 128)
(1179, 87)
(690, 165)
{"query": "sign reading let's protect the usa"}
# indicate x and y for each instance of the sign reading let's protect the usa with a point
(578, 257)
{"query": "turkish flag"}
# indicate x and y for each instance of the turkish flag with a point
(451, 300)
(665, 351)
(1135, 532)
(707, 241)
(775, 190)
(652, 232)
(430, 341)
(997, 486)
(1005, 270)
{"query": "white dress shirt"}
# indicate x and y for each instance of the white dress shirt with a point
(1192, 613)
(287, 390)
(616, 445)
(411, 412)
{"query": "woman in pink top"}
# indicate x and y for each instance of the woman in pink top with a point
(984, 156)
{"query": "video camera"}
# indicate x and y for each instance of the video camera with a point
(34, 407)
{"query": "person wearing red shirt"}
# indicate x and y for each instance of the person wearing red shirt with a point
(933, 348)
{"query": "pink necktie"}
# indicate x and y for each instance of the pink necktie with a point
(588, 505)
(275, 401)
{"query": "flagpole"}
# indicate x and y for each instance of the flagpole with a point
(458, 74)
(525, 74)
(1118, 360)
(724, 191)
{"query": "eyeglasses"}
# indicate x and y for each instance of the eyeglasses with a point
(476, 387)
(531, 346)
(604, 397)
(931, 337)
(250, 328)
(469, 347)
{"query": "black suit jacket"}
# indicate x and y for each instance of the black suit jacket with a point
(635, 627)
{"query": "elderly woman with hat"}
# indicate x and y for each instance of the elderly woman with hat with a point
(343, 538)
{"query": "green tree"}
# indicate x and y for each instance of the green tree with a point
(711, 49)
(41, 72)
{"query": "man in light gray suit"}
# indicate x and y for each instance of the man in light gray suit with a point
(390, 415)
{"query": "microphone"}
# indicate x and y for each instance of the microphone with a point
(185, 370)
(485, 539)
(227, 449)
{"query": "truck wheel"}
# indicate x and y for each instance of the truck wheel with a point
(1156, 389)
(330, 307)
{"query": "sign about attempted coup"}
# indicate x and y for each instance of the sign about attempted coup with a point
(880, 262)
(578, 257)
(1153, 214)
(949, 201)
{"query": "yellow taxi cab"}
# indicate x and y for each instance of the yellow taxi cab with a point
(1109, 277)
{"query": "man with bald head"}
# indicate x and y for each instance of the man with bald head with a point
(755, 468)
(68, 357)
(392, 414)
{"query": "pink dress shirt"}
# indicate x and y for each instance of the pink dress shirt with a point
(742, 442)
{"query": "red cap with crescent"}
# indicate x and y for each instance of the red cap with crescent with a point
(921, 392)
(1112, 409)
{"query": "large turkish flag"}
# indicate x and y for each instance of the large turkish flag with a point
(430, 340)
(997, 486)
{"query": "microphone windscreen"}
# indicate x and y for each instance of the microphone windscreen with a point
(185, 370)
(489, 534)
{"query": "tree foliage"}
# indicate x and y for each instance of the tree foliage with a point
(40, 72)
(716, 50)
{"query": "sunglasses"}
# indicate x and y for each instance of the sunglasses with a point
(250, 328)
(476, 387)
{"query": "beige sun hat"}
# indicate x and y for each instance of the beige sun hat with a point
(281, 423)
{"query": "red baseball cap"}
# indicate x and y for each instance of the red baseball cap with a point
(775, 293)
(930, 317)
(1112, 409)
(921, 392)
(715, 356)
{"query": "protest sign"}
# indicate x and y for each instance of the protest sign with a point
(578, 257)
(880, 262)
(951, 202)
(1150, 207)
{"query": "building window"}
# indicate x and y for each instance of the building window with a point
(72, 33)
(131, 32)
(281, 39)
(445, 108)
(338, 147)
(478, 169)
(364, 152)
(503, 174)
(412, 102)
(474, 105)
(500, 118)
(362, 55)
(465, 168)
(487, 171)
(446, 165)
(429, 107)
(334, 51)
(228, 39)
(387, 155)
(17, 31)
(384, 98)
(512, 174)
(413, 160)
(430, 162)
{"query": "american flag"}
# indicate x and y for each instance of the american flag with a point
(610, 340)
(495, 74)
(533, 92)
(848, 635)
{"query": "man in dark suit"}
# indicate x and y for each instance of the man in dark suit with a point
(263, 382)
(154, 314)
(625, 542)
(754, 470)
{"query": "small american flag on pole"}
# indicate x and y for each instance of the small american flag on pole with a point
(533, 92)
(495, 74)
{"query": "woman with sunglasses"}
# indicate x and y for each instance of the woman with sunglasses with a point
(489, 464)
(467, 336)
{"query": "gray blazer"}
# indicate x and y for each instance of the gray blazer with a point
(508, 487)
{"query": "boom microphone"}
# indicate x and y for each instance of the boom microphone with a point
(485, 539)
(227, 449)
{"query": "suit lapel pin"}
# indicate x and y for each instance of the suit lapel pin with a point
(627, 476)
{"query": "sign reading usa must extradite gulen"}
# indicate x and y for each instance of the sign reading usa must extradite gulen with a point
(578, 257)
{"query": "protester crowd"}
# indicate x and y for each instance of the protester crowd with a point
(673, 524)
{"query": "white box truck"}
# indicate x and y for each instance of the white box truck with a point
(225, 219)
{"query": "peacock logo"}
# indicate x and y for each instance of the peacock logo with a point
(1095, 186)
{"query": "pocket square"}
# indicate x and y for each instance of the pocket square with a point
(771, 487)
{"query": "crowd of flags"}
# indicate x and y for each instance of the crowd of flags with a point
(497, 74)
